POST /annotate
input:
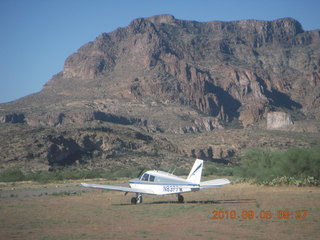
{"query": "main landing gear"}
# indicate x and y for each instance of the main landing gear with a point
(137, 199)
(180, 198)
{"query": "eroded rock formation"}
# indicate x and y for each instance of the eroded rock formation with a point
(225, 70)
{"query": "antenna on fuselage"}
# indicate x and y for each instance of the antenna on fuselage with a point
(139, 175)
(174, 170)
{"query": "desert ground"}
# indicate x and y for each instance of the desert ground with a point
(236, 211)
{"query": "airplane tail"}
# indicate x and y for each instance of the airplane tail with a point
(196, 172)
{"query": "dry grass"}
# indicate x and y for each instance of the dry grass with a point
(108, 215)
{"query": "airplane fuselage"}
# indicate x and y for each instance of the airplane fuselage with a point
(162, 183)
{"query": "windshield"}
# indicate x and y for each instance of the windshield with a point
(145, 177)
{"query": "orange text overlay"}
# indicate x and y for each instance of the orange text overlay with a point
(261, 214)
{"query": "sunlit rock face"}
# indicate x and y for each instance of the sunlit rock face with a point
(278, 120)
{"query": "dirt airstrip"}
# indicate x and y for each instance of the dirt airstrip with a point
(237, 211)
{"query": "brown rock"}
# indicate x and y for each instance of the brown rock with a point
(225, 70)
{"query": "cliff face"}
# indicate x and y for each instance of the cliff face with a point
(225, 70)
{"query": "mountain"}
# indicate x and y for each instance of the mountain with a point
(164, 75)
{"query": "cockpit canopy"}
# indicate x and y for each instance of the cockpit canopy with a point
(147, 177)
(161, 177)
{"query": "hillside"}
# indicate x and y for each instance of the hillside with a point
(161, 77)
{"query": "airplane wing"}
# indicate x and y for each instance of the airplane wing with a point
(118, 188)
(214, 183)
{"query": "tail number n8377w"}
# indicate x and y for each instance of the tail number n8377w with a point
(171, 189)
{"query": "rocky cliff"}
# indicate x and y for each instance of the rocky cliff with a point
(224, 70)
(164, 75)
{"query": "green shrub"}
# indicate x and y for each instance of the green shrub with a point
(308, 181)
(39, 176)
(15, 174)
(181, 172)
(58, 175)
(295, 166)
(217, 169)
(12, 175)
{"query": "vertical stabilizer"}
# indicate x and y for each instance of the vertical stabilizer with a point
(196, 172)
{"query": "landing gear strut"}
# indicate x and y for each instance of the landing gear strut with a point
(137, 199)
(180, 198)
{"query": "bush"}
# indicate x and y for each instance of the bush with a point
(181, 172)
(61, 174)
(121, 173)
(217, 169)
(12, 175)
(295, 166)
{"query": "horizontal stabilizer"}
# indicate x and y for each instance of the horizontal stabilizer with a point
(214, 183)
(117, 188)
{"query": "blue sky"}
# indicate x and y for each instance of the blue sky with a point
(38, 35)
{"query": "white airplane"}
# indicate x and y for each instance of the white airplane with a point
(163, 183)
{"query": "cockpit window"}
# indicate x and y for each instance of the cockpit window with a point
(145, 177)
(152, 178)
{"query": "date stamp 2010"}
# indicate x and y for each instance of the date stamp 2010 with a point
(261, 214)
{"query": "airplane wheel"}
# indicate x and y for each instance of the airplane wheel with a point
(180, 199)
(139, 199)
(133, 200)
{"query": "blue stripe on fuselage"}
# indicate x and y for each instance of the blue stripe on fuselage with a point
(164, 183)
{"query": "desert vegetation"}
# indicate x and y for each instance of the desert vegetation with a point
(295, 166)
(15, 174)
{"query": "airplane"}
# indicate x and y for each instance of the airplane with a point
(156, 182)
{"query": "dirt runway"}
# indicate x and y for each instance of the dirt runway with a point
(239, 211)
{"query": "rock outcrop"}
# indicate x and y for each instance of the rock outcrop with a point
(13, 118)
(278, 120)
(91, 145)
(226, 70)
